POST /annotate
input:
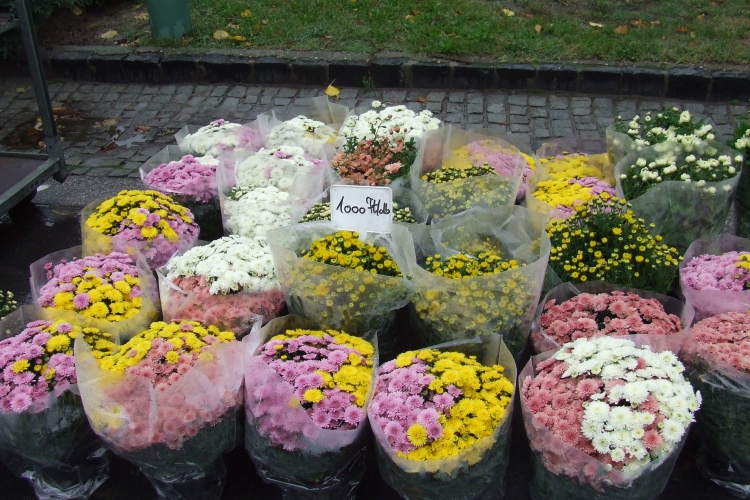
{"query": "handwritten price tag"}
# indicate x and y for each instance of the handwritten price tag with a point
(362, 208)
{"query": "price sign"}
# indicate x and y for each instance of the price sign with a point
(362, 208)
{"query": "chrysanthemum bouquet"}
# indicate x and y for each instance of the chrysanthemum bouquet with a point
(275, 167)
(8, 303)
(446, 183)
(216, 137)
(227, 283)
(478, 273)
(251, 212)
(441, 418)
(600, 309)
(306, 395)
(115, 293)
(44, 434)
(604, 241)
(191, 182)
(374, 162)
(311, 135)
(167, 400)
(148, 220)
(718, 357)
(605, 418)
(378, 122)
(343, 280)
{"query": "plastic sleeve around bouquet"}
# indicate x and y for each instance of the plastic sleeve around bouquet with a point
(52, 445)
(681, 211)
(541, 342)
(561, 471)
(247, 137)
(237, 312)
(156, 251)
(121, 330)
(175, 436)
(337, 297)
(202, 201)
(619, 145)
(478, 472)
(313, 463)
(709, 303)
(446, 309)
(449, 198)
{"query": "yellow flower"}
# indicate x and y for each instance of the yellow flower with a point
(314, 395)
(171, 357)
(417, 435)
(20, 366)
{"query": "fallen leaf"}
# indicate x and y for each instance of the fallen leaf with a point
(716, 3)
(682, 29)
(509, 12)
(332, 91)
(21, 90)
(264, 20)
(136, 6)
(538, 28)
(256, 27)
(692, 34)
(415, 12)
(664, 37)
(220, 35)
(621, 30)
(702, 16)
(409, 17)
(59, 109)
(640, 23)
(421, 99)
(596, 25)
(109, 122)
(328, 36)
(655, 23)
(246, 13)
(77, 11)
(109, 34)
(141, 17)
(142, 128)
(232, 26)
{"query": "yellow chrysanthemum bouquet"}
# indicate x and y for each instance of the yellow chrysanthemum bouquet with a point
(480, 272)
(148, 220)
(306, 397)
(441, 418)
(166, 400)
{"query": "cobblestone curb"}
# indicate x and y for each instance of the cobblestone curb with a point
(155, 65)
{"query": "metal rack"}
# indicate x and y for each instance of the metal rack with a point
(22, 173)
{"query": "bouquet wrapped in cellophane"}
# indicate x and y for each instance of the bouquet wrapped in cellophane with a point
(168, 401)
(306, 397)
(217, 137)
(44, 434)
(442, 418)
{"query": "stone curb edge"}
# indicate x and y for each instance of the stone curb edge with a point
(153, 65)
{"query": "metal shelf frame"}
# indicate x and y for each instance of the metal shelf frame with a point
(53, 163)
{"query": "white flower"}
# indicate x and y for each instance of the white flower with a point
(710, 137)
(256, 211)
(301, 131)
(672, 430)
(617, 455)
(685, 177)
(410, 124)
(212, 139)
(601, 443)
(711, 190)
(275, 167)
(641, 162)
(738, 159)
(684, 116)
(597, 412)
(690, 158)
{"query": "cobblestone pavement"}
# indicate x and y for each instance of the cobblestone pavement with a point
(150, 114)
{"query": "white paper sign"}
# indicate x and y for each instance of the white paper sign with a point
(362, 208)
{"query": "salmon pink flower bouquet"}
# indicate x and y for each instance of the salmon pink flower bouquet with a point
(44, 434)
(306, 395)
(167, 400)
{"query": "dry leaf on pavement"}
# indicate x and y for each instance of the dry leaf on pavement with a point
(109, 34)
(332, 91)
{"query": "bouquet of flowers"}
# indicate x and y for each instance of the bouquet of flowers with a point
(604, 241)
(168, 401)
(715, 275)
(148, 220)
(8, 302)
(115, 293)
(405, 123)
(251, 212)
(667, 124)
(447, 184)
(605, 419)
(310, 134)
(44, 434)
(306, 396)
(442, 417)
(191, 182)
(600, 309)
(741, 142)
(227, 283)
(374, 162)
(478, 273)
(219, 135)
(342, 280)
(685, 188)
(718, 357)
(275, 167)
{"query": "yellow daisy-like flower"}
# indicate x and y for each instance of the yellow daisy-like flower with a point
(417, 435)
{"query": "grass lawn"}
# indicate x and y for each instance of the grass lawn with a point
(661, 31)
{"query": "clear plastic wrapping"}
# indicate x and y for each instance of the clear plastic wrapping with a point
(436, 150)
(530, 169)
(681, 211)
(320, 463)
(542, 342)
(561, 471)
(337, 297)
(202, 199)
(446, 309)
(477, 472)
(175, 436)
(123, 330)
(709, 303)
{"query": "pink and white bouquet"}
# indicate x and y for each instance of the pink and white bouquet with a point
(229, 283)
(599, 309)
(717, 354)
(276, 167)
(44, 435)
(167, 400)
(306, 395)
(605, 418)
(378, 121)
(715, 275)
(311, 135)
(216, 137)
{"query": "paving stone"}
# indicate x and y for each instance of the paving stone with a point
(394, 96)
(474, 99)
(474, 108)
(435, 97)
(454, 117)
(539, 122)
(537, 112)
(603, 102)
(738, 110)
(251, 99)
(496, 108)
(455, 107)
(556, 102)
(559, 114)
(99, 171)
(580, 111)
(519, 100)
(435, 107)
(579, 102)
(518, 128)
(537, 100)
(542, 133)
(456, 96)
(237, 91)
(563, 132)
(414, 106)
(586, 126)
(519, 119)
(518, 110)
